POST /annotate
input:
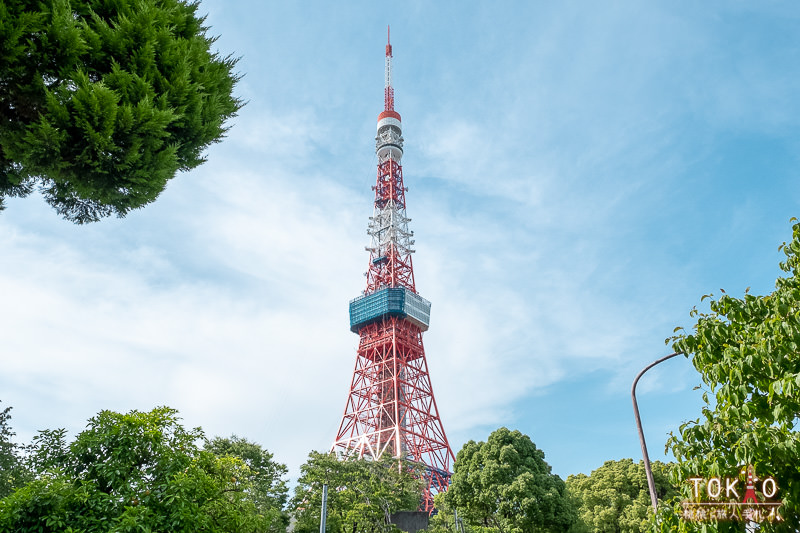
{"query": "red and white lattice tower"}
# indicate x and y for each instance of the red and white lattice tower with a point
(390, 407)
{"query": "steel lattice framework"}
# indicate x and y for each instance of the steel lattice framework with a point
(391, 407)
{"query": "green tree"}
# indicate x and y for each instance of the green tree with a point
(362, 493)
(747, 351)
(505, 485)
(102, 102)
(12, 471)
(615, 497)
(132, 472)
(268, 490)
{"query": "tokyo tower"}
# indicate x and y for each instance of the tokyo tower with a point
(390, 407)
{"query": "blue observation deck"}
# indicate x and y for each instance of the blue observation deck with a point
(391, 301)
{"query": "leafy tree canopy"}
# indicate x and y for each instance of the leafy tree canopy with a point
(132, 472)
(747, 351)
(103, 101)
(362, 493)
(615, 497)
(505, 485)
(268, 490)
(12, 471)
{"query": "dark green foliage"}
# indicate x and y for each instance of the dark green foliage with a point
(505, 485)
(48, 452)
(12, 472)
(362, 494)
(268, 490)
(747, 351)
(103, 101)
(8, 457)
(615, 497)
(132, 472)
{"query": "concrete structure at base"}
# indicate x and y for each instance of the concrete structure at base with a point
(410, 521)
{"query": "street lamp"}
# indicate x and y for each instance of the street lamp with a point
(650, 483)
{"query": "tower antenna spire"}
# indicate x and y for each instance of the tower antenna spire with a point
(388, 95)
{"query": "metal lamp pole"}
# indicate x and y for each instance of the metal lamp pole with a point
(650, 483)
(323, 516)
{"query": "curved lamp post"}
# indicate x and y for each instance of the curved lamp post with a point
(650, 483)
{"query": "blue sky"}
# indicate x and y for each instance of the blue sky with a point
(580, 174)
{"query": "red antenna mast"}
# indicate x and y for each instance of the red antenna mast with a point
(388, 95)
(390, 407)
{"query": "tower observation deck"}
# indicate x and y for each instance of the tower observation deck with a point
(390, 407)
